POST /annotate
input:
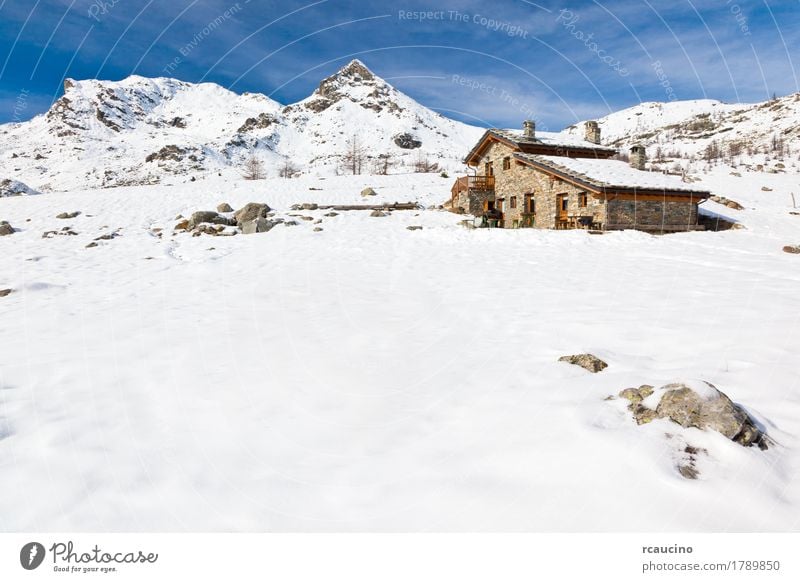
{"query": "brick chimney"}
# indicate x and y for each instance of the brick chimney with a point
(592, 132)
(638, 157)
(529, 128)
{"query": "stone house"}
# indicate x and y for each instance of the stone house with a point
(548, 180)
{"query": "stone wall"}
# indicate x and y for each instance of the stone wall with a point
(652, 214)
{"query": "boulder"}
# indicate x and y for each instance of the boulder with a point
(10, 187)
(5, 292)
(378, 213)
(707, 408)
(5, 228)
(224, 207)
(587, 361)
(699, 406)
(207, 216)
(368, 192)
(792, 249)
(413, 228)
(67, 215)
(308, 206)
(182, 225)
(318, 229)
(250, 212)
(257, 225)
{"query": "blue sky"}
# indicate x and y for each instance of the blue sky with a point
(487, 63)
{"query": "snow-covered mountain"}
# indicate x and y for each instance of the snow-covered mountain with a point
(707, 130)
(141, 130)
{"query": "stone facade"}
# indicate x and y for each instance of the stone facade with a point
(516, 183)
(651, 214)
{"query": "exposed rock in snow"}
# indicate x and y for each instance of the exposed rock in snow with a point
(224, 207)
(587, 361)
(5, 228)
(251, 211)
(368, 192)
(10, 187)
(700, 405)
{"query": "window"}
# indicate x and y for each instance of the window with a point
(506, 163)
(530, 204)
(488, 169)
(563, 202)
(583, 199)
(513, 202)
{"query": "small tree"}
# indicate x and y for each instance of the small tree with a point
(423, 165)
(383, 163)
(354, 156)
(288, 169)
(253, 168)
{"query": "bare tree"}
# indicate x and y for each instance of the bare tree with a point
(423, 164)
(354, 156)
(383, 163)
(288, 169)
(253, 168)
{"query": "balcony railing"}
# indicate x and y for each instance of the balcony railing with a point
(473, 183)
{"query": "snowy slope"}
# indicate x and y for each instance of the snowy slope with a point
(369, 377)
(758, 132)
(145, 131)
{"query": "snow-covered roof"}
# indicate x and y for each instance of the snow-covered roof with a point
(561, 139)
(611, 174)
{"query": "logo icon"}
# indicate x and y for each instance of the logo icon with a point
(31, 555)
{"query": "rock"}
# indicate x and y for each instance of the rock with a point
(413, 228)
(224, 207)
(587, 361)
(182, 225)
(317, 229)
(5, 228)
(766, 189)
(290, 223)
(332, 214)
(91, 245)
(68, 215)
(250, 212)
(378, 213)
(406, 141)
(257, 225)
(368, 192)
(710, 409)
(793, 250)
(306, 218)
(66, 231)
(635, 396)
(318, 221)
(207, 216)
(308, 206)
(5, 292)
(10, 187)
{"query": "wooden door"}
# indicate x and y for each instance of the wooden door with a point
(561, 207)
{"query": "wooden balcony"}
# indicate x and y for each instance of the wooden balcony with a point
(464, 183)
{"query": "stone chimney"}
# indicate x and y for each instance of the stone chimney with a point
(529, 128)
(592, 132)
(638, 157)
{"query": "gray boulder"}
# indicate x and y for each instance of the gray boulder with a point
(378, 213)
(710, 410)
(5, 228)
(207, 216)
(251, 211)
(586, 361)
(5, 292)
(368, 192)
(257, 225)
(224, 207)
(67, 215)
